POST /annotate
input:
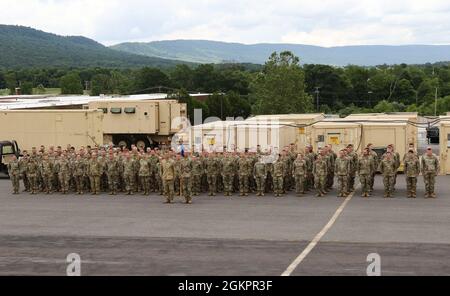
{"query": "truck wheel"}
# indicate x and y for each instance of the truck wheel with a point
(122, 142)
(142, 142)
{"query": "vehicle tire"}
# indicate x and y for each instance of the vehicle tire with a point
(142, 142)
(122, 141)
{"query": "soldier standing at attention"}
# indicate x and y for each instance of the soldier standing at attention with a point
(23, 161)
(365, 166)
(185, 176)
(278, 173)
(412, 170)
(212, 169)
(14, 174)
(197, 172)
(46, 168)
(128, 174)
(375, 160)
(144, 174)
(353, 167)
(244, 174)
(260, 174)
(112, 173)
(320, 171)
(79, 171)
(94, 171)
(342, 170)
(331, 165)
(430, 168)
(228, 171)
(32, 171)
(63, 168)
(177, 170)
(299, 172)
(387, 169)
(168, 175)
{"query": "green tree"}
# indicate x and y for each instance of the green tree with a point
(149, 79)
(182, 76)
(239, 106)
(218, 105)
(280, 87)
(71, 84)
(26, 88)
(101, 84)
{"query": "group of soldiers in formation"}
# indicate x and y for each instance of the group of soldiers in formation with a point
(113, 170)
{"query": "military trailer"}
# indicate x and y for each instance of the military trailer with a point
(30, 128)
(338, 133)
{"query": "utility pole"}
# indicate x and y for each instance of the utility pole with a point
(317, 97)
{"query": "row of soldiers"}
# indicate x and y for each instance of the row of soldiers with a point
(168, 173)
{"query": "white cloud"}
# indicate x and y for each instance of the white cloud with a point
(322, 22)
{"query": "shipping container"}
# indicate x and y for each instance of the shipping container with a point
(444, 140)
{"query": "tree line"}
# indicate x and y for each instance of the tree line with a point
(281, 85)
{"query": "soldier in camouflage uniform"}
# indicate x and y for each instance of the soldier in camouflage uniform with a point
(62, 166)
(320, 171)
(245, 170)
(196, 175)
(46, 168)
(79, 171)
(342, 169)
(154, 175)
(260, 174)
(353, 156)
(374, 156)
(396, 158)
(278, 174)
(32, 171)
(365, 168)
(135, 158)
(299, 172)
(430, 168)
(185, 176)
(331, 158)
(412, 170)
(212, 169)
(23, 171)
(144, 174)
(310, 157)
(387, 169)
(112, 173)
(14, 174)
(94, 171)
(128, 174)
(228, 171)
(167, 175)
(177, 177)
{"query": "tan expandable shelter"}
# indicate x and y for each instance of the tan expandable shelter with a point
(31, 128)
(302, 122)
(239, 135)
(337, 132)
(444, 143)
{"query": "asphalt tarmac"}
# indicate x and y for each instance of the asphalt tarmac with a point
(225, 236)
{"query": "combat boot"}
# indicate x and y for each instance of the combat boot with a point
(433, 195)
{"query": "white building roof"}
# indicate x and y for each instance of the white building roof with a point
(39, 101)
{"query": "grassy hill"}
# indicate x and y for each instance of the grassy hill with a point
(204, 51)
(23, 47)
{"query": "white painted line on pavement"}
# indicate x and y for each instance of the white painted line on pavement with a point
(317, 238)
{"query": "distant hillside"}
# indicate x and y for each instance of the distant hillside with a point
(203, 51)
(23, 47)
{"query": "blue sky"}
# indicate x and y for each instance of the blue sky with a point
(325, 23)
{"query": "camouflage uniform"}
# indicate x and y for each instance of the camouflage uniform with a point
(299, 171)
(177, 177)
(412, 170)
(79, 172)
(14, 175)
(112, 174)
(136, 183)
(353, 156)
(260, 174)
(387, 168)
(32, 171)
(168, 175)
(47, 170)
(128, 175)
(212, 169)
(144, 175)
(23, 172)
(278, 172)
(430, 168)
(228, 171)
(365, 168)
(62, 166)
(94, 171)
(310, 158)
(342, 169)
(197, 172)
(154, 175)
(185, 176)
(320, 170)
(375, 160)
(245, 170)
